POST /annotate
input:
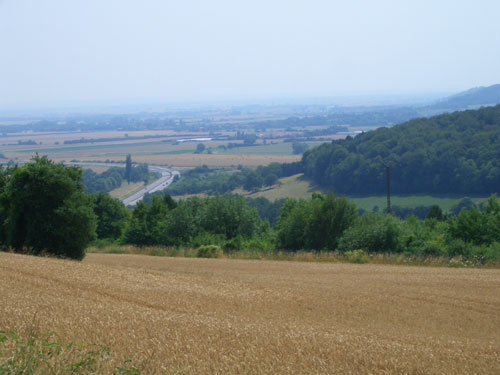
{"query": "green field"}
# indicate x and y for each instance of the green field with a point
(299, 188)
(411, 201)
(281, 148)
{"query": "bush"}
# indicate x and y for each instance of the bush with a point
(235, 243)
(103, 243)
(316, 224)
(356, 256)
(205, 238)
(492, 252)
(373, 233)
(423, 237)
(209, 251)
(458, 247)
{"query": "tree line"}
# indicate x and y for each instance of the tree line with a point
(44, 209)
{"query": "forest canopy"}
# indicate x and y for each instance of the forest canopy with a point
(451, 153)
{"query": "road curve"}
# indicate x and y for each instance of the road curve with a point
(167, 176)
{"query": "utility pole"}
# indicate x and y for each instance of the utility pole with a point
(388, 187)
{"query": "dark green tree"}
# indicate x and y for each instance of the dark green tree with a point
(200, 147)
(249, 139)
(138, 232)
(373, 233)
(469, 226)
(270, 179)
(330, 217)
(492, 212)
(435, 212)
(230, 216)
(128, 168)
(292, 224)
(315, 224)
(112, 216)
(299, 147)
(5, 174)
(252, 181)
(46, 210)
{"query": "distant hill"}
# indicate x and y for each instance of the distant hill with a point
(450, 153)
(392, 115)
(470, 99)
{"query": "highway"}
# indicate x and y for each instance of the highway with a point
(167, 176)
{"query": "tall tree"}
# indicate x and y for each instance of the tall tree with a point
(128, 168)
(111, 215)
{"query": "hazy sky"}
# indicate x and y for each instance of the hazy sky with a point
(54, 51)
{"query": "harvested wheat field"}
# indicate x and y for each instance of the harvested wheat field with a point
(220, 316)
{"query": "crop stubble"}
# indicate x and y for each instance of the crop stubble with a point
(238, 316)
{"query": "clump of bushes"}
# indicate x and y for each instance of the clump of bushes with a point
(356, 256)
(373, 233)
(209, 251)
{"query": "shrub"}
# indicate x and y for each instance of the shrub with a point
(209, 251)
(205, 238)
(373, 233)
(235, 243)
(356, 256)
(458, 247)
(492, 252)
(423, 237)
(316, 224)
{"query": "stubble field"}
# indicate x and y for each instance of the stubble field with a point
(147, 150)
(201, 316)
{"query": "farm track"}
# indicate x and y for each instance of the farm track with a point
(261, 317)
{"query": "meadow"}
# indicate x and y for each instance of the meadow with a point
(298, 187)
(412, 201)
(226, 316)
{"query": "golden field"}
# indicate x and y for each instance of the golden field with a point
(223, 316)
(149, 150)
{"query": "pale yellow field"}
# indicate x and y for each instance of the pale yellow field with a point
(49, 138)
(288, 187)
(196, 160)
(151, 151)
(223, 316)
(96, 169)
(126, 189)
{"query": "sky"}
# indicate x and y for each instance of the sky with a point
(54, 52)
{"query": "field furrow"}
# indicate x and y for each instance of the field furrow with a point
(221, 316)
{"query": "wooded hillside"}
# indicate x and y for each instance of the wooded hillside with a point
(450, 153)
